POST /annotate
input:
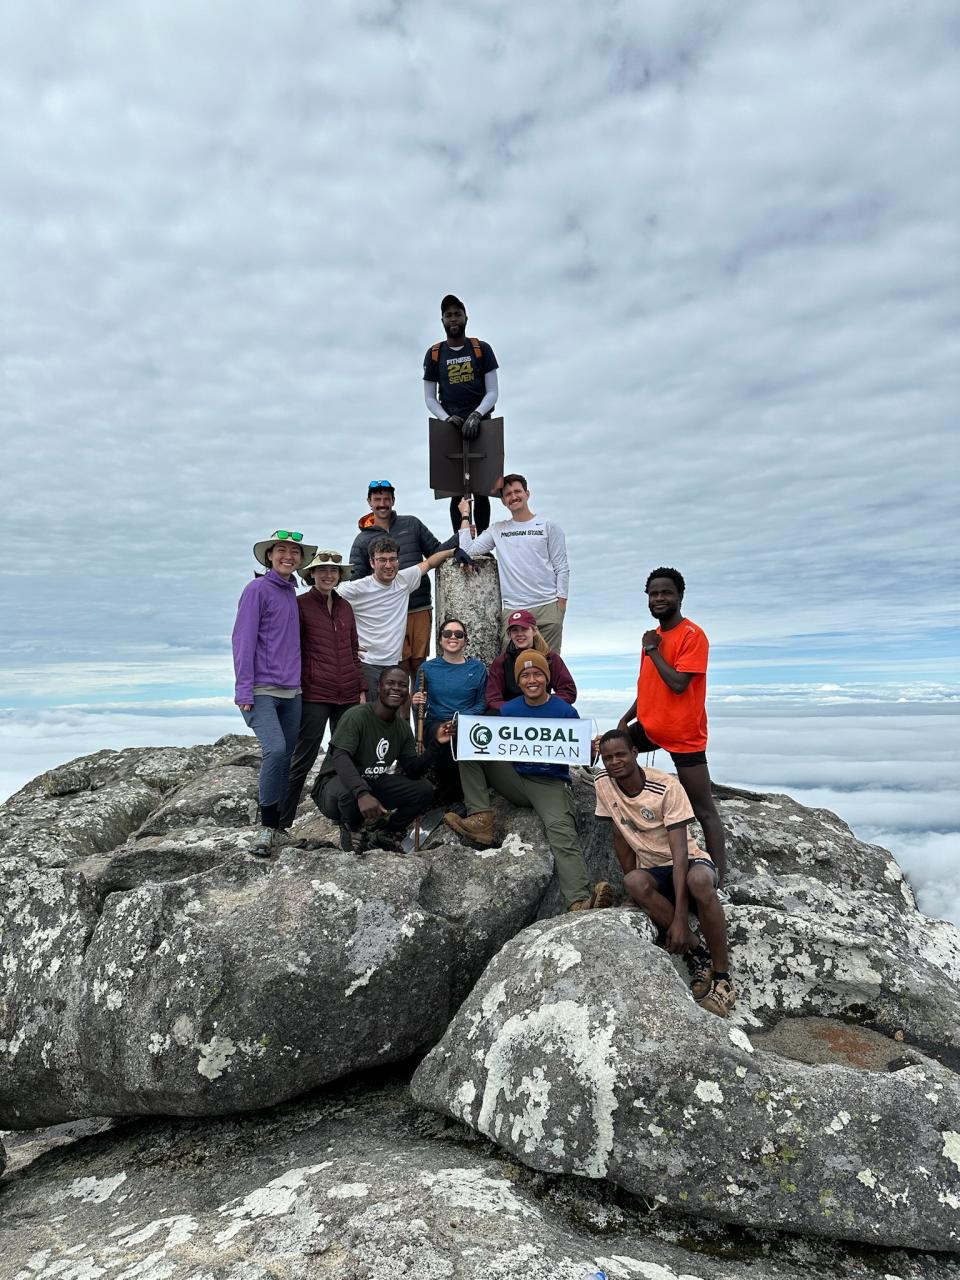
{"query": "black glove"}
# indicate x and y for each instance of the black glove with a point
(461, 557)
(471, 428)
(455, 422)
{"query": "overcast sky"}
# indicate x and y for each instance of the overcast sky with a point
(714, 246)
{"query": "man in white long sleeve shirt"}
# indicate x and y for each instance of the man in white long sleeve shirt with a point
(460, 386)
(532, 558)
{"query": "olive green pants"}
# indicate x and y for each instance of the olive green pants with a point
(553, 803)
(549, 623)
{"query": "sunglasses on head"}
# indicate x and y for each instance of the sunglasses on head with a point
(328, 557)
(453, 635)
(285, 535)
(379, 484)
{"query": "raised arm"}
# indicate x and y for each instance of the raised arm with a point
(438, 557)
(482, 544)
(676, 681)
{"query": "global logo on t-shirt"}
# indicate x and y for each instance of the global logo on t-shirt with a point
(383, 746)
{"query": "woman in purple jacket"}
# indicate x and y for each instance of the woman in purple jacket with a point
(266, 660)
(332, 676)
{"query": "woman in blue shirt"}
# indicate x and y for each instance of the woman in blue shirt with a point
(454, 684)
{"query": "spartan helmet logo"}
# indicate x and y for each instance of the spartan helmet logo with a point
(480, 737)
(383, 746)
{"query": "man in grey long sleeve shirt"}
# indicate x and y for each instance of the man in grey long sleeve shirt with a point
(532, 559)
(460, 386)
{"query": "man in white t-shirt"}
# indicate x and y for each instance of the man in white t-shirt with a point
(380, 607)
(532, 558)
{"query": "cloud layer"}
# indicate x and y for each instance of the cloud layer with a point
(887, 769)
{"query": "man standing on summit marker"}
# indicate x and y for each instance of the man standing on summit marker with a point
(670, 709)
(460, 386)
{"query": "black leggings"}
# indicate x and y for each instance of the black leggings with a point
(481, 513)
(407, 797)
(314, 717)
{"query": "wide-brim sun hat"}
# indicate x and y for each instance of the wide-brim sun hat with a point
(292, 536)
(328, 560)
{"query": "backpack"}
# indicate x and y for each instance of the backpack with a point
(435, 355)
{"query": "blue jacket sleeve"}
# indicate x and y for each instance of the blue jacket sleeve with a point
(479, 705)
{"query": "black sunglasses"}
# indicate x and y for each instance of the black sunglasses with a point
(454, 635)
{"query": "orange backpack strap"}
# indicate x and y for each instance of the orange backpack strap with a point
(477, 351)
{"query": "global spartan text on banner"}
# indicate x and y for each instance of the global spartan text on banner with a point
(543, 741)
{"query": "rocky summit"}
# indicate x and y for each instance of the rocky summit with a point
(573, 1112)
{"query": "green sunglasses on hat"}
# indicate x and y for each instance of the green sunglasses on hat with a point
(260, 549)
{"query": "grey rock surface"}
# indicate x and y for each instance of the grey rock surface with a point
(355, 1183)
(582, 1051)
(820, 923)
(475, 598)
(225, 796)
(90, 806)
(178, 975)
(148, 964)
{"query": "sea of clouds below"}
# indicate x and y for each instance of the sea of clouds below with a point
(882, 760)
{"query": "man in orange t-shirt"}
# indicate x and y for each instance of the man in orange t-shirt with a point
(670, 710)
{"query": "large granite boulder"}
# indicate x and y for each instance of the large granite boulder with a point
(149, 964)
(581, 1051)
(355, 1183)
(176, 974)
(91, 805)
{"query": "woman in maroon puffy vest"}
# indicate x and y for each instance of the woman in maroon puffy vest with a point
(331, 677)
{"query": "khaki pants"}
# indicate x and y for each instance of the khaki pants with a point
(553, 803)
(549, 623)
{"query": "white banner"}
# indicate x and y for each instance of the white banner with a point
(524, 741)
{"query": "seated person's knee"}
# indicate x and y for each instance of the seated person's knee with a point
(638, 884)
(701, 883)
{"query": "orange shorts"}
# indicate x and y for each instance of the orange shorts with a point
(416, 639)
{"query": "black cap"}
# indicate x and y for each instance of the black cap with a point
(451, 300)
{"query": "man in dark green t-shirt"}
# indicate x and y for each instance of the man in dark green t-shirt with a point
(358, 785)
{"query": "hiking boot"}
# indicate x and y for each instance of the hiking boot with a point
(582, 904)
(263, 843)
(350, 838)
(478, 827)
(290, 842)
(602, 895)
(701, 972)
(386, 838)
(720, 999)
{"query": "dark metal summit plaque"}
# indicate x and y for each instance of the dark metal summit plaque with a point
(459, 466)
